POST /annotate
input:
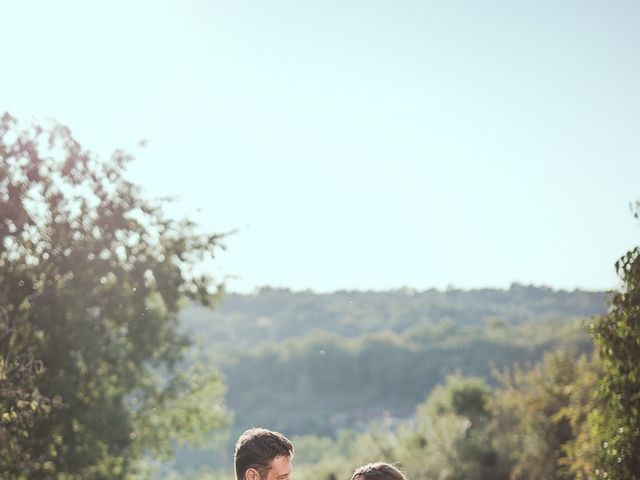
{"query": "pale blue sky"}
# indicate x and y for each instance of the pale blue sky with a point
(359, 144)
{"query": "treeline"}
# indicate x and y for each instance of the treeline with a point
(273, 314)
(341, 359)
(312, 379)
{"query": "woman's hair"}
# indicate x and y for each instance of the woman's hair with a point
(377, 471)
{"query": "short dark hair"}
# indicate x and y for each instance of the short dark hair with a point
(256, 448)
(378, 471)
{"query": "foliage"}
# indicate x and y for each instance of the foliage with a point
(271, 315)
(449, 439)
(615, 424)
(327, 383)
(453, 438)
(579, 451)
(91, 280)
(527, 428)
(21, 405)
(342, 359)
(535, 414)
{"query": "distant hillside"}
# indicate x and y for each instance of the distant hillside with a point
(272, 315)
(307, 363)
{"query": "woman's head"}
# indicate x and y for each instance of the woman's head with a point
(377, 471)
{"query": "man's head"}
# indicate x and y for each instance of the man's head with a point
(263, 455)
(377, 471)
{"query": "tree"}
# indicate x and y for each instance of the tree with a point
(615, 423)
(452, 438)
(540, 413)
(92, 276)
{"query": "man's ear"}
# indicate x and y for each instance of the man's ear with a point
(251, 474)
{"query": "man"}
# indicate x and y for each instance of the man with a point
(263, 455)
(378, 471)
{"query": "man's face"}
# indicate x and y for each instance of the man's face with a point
(280, 469)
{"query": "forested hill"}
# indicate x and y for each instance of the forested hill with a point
(307, 363)
(272, 315)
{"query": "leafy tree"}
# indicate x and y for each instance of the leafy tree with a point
(91, 279)
(579, 451)
(453, 438)
(538, 414)
(615, 424)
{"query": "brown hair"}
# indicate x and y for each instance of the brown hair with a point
(256, 448)
(378, 471)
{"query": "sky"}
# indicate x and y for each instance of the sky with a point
(358, 144)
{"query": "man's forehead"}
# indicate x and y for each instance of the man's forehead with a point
(281, 465)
